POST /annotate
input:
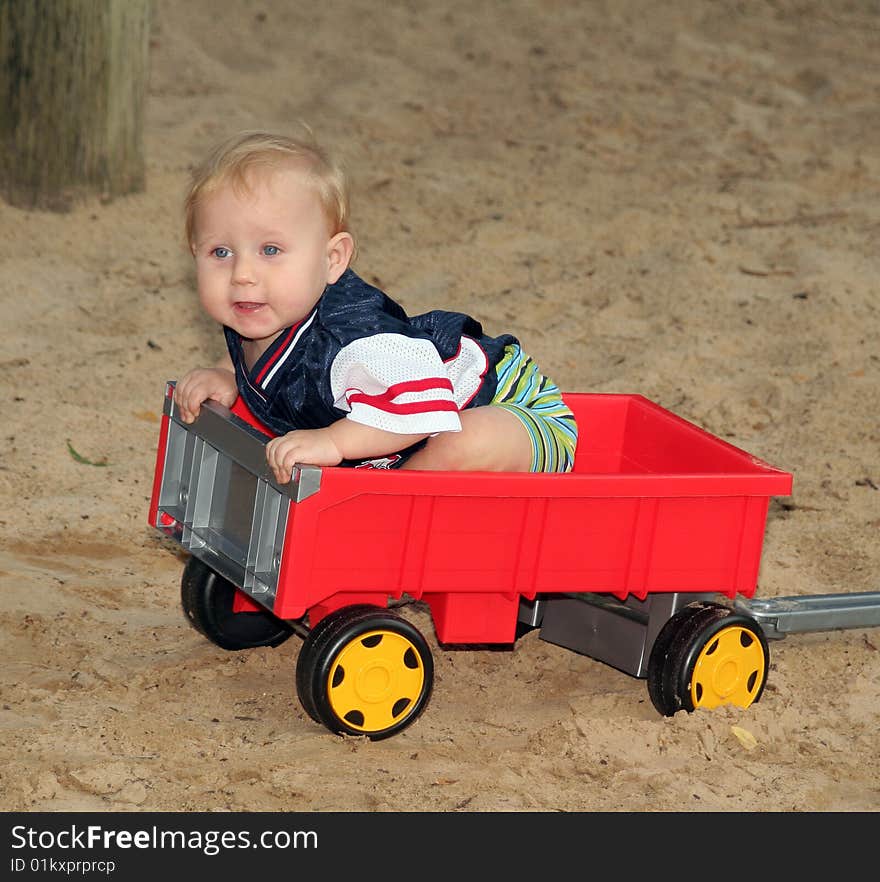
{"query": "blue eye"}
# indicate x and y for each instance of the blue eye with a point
(221, 252)
(271, 250)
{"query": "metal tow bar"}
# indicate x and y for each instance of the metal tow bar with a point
(799, 614)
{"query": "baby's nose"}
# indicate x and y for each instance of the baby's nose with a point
(243, 272)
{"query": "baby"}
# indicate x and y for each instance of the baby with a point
(332, 364)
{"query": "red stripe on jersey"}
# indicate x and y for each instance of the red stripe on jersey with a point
(385, 400)
(278, 352)
(418, 386)
(412, 407)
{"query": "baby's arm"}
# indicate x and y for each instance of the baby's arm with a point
(201, 384)
(344, 439)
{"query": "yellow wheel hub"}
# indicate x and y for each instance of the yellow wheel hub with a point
(375, 680)
(729, 670)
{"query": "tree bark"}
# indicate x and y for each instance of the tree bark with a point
(73, 84)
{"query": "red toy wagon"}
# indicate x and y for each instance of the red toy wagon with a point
(640, 558)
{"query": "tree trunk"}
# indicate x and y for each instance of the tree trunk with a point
(73, 82)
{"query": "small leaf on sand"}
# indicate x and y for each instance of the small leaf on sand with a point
(80, 458)
(748, 741)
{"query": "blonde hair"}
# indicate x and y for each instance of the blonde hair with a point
(234, 160)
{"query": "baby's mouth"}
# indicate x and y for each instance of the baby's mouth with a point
(248, 306)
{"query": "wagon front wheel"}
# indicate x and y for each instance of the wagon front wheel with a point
(707, 656)
(365, 671)
(207, 600)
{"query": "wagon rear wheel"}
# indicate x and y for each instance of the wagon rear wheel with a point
(707, 655)
(365, 671)
(207, 600)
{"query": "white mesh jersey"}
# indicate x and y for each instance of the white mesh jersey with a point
(358, 356)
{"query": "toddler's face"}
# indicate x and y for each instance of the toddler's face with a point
(263, 257)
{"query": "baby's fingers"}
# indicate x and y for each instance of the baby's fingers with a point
(188, 405)
(181, 402)
(277, 454)
(271, 456)
(282, 473)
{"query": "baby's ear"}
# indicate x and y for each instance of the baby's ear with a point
(339, 251)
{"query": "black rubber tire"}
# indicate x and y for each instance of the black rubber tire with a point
(658, 661)
(207, 599)
(679, 645)
(341, 633)
(304, 661)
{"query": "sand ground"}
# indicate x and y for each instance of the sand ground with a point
(676, 199)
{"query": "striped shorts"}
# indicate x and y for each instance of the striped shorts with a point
(537, 401)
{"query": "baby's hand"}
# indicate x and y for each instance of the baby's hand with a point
(308, 446)
(201, 384)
